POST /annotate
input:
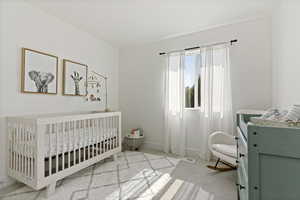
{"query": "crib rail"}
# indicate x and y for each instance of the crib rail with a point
(43, 150)
(74, 141)
(21, 149)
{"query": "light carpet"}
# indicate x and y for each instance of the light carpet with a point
(136, 175)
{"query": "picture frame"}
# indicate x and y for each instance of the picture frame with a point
(39, 72)
(74, 78)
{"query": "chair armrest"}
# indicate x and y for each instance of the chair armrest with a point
(220, 137)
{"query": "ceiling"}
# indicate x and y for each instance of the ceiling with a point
(132, 22)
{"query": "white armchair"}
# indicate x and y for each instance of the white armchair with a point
(222, 146)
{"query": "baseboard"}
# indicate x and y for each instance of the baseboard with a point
(191, 152)
(152, 146)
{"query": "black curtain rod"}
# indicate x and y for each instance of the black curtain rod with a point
(198, 47)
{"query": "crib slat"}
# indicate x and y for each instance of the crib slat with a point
(97, 136)
(106, 134)
(74, 140)
(87, 131)
(112, 133)
(63, 145)
(25, 149)
(100, 134)
(9, 146)
(18, 146)
(12, 144)
(93, 139)
(80, 137)
(109, 133)
(15, 149)
(84, 139)
(33, 149)
(117, 131)
(27, 153)
(69, 143)
(56, 137)
(20, 149)
(31, 153)
(51, 128)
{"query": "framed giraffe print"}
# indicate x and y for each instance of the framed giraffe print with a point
(39, 72)
(74, 78)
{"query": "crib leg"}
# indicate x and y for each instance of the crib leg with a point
(50, 190)
(115, 157)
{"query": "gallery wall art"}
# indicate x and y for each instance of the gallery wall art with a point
(97, 88)
(39, 72)
(74, 78)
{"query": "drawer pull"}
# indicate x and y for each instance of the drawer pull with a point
(236, 138)
(242, 187)
(242, 155)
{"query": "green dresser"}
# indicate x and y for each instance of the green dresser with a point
(268, 160)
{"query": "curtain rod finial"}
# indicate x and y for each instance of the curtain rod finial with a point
(233, 41)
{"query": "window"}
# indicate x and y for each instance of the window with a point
(196, 80)
(192, 80)
(195, 75)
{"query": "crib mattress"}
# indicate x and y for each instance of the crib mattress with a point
(62, 143)
(66, 146)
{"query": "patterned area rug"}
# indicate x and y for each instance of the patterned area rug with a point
(136, 175)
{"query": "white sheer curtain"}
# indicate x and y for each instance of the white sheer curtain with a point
(215, 111)
(216, 106)
(174, 105)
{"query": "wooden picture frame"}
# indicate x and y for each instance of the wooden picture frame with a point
(74, 78)
(39, 72)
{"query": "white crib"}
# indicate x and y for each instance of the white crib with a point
(43, 149)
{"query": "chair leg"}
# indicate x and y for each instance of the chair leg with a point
(215, 167)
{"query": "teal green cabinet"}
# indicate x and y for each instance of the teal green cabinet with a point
(268, 161)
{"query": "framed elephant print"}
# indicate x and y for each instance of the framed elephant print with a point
(39, 72)
(74, 78)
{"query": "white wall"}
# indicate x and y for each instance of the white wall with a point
(141, 77)
(286, 49)
(25, 26)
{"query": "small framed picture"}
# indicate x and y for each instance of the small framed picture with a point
(74, 78)
(39, 72)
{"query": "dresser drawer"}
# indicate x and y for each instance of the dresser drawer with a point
(242, 151)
